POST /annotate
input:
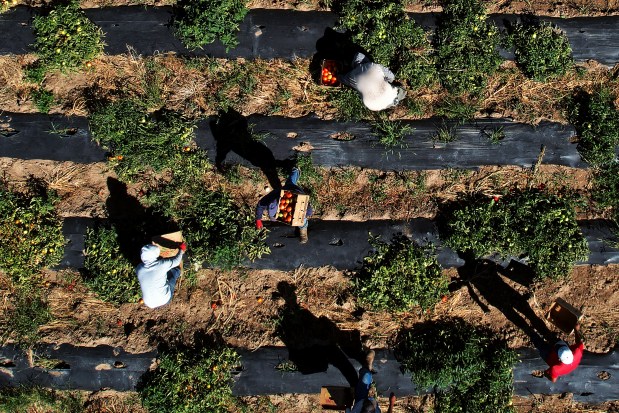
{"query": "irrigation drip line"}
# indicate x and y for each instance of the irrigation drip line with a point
(93, 368)
(59, 138)
(271, 34)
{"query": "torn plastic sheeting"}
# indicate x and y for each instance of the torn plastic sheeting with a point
(521, 145)
(260, 376)
(83, 368)
(34, 138)
(587, 383)
(269, 33)
(343, 244)
(50, 137)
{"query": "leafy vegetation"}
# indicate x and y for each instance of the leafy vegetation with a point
(30, 231)
(532, 223)
(392, 39)
(399, 275)
(186, 382)
(65, 38)
(391, 133)
(469, 368)
(216, 228)
(200, 22)
(108, 272)
(139, 141)
(596, 120)
(542, 51)
(37, 399)
(606, 181)
(28, 311)
(348, 104)
(43, 99)
(466, 46)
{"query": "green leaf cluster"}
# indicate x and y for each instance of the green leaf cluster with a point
(201, 22)
(596, 120)
(216, 228)
(38, 399)
(191, 382)
(108, 273)
(469, 368)
(30, 232)
(26, 313)
(531, 223)
(399, 275)
(391, 38)
(139, 141)
(466, 46)
(66, 38)
(542, 50)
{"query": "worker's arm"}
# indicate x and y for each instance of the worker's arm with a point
(389, 76)
(391, 403)
(169, 263)
(577, 334)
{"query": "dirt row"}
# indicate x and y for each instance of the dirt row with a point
(198, 87)
(571, 8)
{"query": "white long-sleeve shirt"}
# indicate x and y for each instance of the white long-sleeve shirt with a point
(153, 277)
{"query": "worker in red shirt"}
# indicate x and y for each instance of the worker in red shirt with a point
(563, 359)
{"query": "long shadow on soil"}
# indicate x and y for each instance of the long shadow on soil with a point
(134, 223)
(485, 277)
(315, 342)
(231, 132)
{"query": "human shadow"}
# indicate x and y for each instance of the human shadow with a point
(231, 132)
(484, 277)
(134, 223)
(315, 342)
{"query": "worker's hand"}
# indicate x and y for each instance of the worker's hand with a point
(258, 224)
(391, 399)
(577, 327)
(183, 247)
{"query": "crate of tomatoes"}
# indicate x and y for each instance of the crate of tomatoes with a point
(292, 207)
(330, 71)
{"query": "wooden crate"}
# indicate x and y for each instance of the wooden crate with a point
(336, 397)
(300, 203)
(168, 243)
(563, 315)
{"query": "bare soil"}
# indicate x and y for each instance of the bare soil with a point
(197, 88)
(570, 8)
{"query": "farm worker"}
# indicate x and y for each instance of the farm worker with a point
(158, 276)
(562, 358)
(373, 81)
(270, 203)
(365, 400)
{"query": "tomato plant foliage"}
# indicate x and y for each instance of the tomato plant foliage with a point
(468, 367)
(533, 224)
(399, 275)
(187, 381)
(30, 231)
(66, 38)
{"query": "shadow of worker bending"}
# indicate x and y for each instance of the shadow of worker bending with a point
(135, 224)
(231, 132)
(315, 342)
(482, 278)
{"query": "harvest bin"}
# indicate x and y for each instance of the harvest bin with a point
(292, 207)
(331, 68)
(563, 315)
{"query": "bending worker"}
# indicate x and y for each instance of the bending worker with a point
(373, 81)
(158, 276)
(563, 359)
(365, 391)
(270, 204)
